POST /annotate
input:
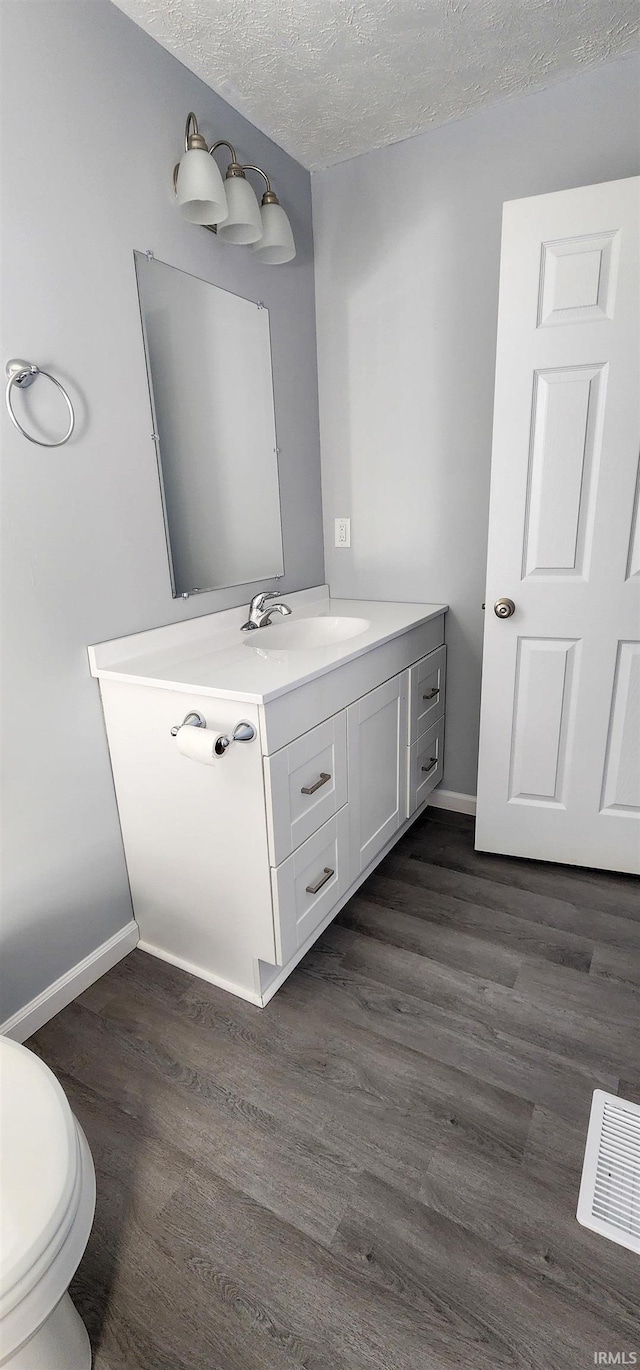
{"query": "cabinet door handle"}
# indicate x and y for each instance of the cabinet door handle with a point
(433, 761)
(432, 694)
(326, 875)
(311, 789)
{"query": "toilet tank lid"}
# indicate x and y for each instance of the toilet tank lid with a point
(38, 1160)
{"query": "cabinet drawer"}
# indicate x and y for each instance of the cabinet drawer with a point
(426, 765)
(306, 783)
(426, 692)
(309, 883)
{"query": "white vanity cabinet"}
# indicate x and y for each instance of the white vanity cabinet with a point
(237, 866)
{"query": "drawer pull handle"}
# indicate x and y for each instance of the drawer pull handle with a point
(311, 789)
(326, 875)
(433, 761)
(432, 694)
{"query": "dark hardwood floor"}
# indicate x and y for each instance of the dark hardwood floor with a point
(380, 1169)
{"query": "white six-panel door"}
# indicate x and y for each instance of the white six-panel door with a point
(559, 773)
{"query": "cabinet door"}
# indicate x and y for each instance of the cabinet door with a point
(377, 752)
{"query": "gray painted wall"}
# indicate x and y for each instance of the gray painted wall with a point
(93, 118)
(407, 243)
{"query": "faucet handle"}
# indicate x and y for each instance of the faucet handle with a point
(256, 608)
(258, 602)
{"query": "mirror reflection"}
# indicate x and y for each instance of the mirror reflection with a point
(210, 382)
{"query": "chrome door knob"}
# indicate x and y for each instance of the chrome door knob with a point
(504, 608)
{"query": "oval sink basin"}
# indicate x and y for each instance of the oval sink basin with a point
(303, 634)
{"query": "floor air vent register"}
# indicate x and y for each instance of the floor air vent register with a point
(609, 1200)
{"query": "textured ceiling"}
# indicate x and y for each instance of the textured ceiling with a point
(329, 79)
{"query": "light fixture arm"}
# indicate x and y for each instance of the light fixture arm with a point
(192, 136)
(269, 197)
(191, 119)
(223, 143)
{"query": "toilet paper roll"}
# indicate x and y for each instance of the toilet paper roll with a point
(197, 744)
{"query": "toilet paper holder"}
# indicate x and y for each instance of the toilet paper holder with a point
(243, 731)
(190, 720)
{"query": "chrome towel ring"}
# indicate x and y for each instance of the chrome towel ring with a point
(23, 374)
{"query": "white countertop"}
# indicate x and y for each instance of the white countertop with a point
(210, 655)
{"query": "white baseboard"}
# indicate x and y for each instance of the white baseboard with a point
(450, 799)
(240, 991)
(35, 1014)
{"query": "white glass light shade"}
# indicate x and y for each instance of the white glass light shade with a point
(199, 189)
(244, 224)
(276, 244)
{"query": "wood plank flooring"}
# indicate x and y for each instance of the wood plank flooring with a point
(380, 1170)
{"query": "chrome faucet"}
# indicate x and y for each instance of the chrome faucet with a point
(259, 617)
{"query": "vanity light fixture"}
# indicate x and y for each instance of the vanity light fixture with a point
(230, 209)
(275, 245)
(197, 181)
(243, 223)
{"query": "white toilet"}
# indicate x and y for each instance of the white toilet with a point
(47, 1202)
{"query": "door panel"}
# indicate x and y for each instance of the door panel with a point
(546, 677)
(566, 436)
(633, 560)
(578, 278)
(559, 748)
(621, 788)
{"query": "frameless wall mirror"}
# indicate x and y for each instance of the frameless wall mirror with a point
(211, 388)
